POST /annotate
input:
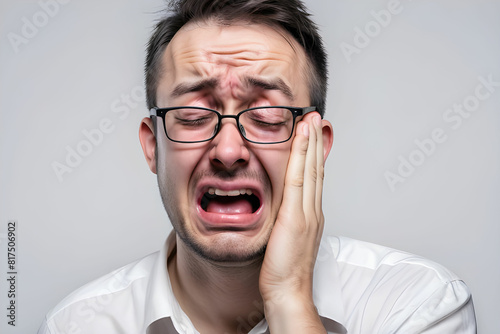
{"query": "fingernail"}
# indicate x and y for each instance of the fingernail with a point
(305, 129)
(317, 120)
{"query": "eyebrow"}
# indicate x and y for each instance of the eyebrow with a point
(185, 88)
(275, 84)
(211, 83)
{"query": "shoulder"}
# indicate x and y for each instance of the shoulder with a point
(373, 259)
(396, 291)
(104, 298)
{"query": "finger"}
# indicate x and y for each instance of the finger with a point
(294, 179)
(320, 167)
(310, 174)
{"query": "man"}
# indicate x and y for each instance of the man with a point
(236, 91)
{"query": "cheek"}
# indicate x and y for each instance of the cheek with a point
(176, 163)
(275, 163)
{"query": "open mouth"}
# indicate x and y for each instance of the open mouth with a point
(240, 201)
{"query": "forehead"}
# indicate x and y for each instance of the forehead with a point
(229, 52)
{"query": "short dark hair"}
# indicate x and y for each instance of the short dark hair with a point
(291, 15)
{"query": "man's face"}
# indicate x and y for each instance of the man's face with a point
(227, 68)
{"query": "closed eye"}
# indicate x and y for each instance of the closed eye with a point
(193, 122)
(261, 123)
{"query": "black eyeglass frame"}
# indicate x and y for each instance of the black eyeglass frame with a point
(296, 112)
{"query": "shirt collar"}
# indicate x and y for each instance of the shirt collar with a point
(327, 295)
(160, 299)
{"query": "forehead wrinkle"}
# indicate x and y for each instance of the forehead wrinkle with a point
(241, 51)
(244, 51)
(209, 67)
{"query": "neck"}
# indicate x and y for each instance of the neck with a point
(217, 297)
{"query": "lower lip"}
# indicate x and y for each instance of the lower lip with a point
(220, 221)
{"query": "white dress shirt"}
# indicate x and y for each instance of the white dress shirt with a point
(358, 288)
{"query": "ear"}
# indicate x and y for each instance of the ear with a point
(327, 129)
(148, 142)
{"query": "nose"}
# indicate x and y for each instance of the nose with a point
(229, 149)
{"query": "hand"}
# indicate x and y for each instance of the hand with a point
(287, 271)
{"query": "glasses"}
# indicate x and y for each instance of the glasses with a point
(260, 125)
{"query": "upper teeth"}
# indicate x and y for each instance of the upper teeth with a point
(237, 192)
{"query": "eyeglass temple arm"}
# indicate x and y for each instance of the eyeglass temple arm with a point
(307, 110)
(152, 112)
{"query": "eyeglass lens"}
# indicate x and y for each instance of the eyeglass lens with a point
(263, 125)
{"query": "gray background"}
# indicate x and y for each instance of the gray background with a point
(83, 61)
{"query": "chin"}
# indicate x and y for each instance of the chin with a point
(227, 247)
